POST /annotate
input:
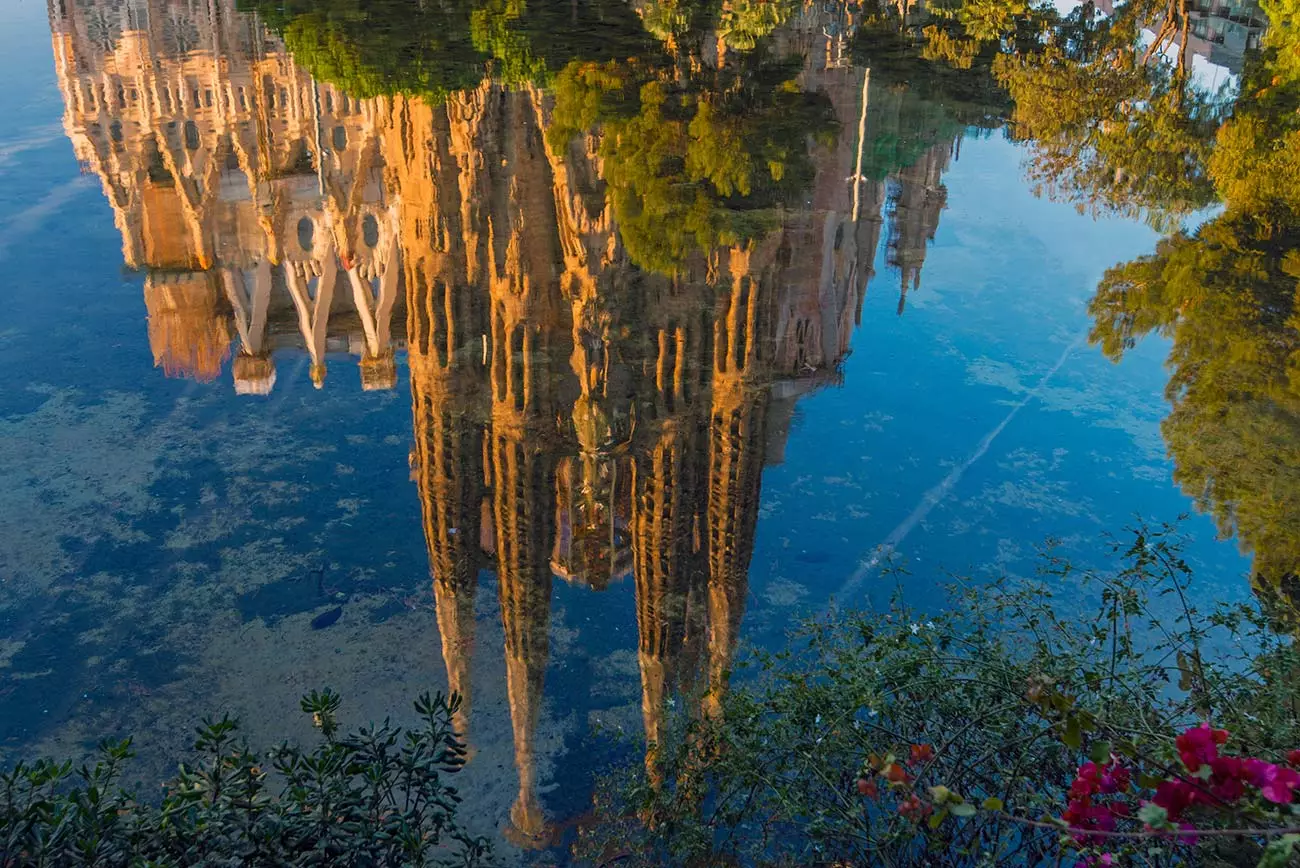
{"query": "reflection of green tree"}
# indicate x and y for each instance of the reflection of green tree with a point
(530, 40)
(1256, 159)
(1112, 127)
(740, 24)
(372, 47)
(1283, 38)
(924, 89)
(1228, 297)
(693, 160)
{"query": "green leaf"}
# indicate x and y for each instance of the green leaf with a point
(1278, 852)
(992, 803)
(964, 809)
(1072, 736)
(940, 794)
(1100, 751)
(1153, 815)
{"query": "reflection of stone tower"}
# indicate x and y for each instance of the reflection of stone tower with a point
(221, 157)
(665, 491)
(445, 320)
(915, 205)
(447, 462)
(522, 270)
(187, 333)
(741, 352)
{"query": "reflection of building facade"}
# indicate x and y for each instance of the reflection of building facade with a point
(573, 416)
(243, 188)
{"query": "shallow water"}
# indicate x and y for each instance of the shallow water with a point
(272, 349)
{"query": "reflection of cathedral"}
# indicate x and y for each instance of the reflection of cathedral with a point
(574, 416)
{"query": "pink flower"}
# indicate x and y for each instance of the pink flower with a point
(1085, 817)
(1200, 745)
(1274, 783)
(1175, 797)
(1225, 779)
(1114, 779)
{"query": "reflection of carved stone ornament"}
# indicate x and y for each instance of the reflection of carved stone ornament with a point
(103, 30)
(180, 34)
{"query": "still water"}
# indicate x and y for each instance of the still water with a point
(313, 383)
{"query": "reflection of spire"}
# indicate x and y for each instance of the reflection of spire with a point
(736, 448)
(448, 467)
(523, 481)
(527, 330)
(447, 464)
(664, 495)
(915, 205)
(446, 318)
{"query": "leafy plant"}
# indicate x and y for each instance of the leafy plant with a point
(374, 796)
(1026, 723)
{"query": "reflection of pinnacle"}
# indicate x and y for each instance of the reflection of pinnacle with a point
(664, 491)
(523, 480)
(915, 206)
(736, 432)
(445, 320)
(448, 459)
(736, 442)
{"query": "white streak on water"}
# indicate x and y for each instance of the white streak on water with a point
(30, 219)
(938, 493)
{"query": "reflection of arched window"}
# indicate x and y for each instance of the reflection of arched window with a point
(306, 233)
(370, 230)
(340, 138)
(191, 136)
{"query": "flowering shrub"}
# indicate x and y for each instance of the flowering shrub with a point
(1060, 720)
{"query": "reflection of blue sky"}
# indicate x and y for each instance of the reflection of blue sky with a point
(152, 510)
(1004, 295)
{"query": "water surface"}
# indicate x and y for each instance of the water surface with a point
(557, 435)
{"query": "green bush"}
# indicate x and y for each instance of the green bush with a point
(1028, 723)
(376, 796)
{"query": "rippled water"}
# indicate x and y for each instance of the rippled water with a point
(275, 351)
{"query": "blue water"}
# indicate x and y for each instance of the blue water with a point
(162, 540)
